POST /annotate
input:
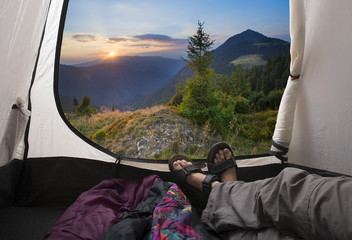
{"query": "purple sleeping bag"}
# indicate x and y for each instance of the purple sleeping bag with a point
(98, 209)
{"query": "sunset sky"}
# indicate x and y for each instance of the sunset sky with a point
(97, 29)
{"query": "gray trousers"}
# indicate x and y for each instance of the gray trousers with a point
(293, 204)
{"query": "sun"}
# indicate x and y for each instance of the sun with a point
(111, 54)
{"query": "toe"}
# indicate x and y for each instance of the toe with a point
(217, 158)
(227, 153)
(177, 165)
(222, 156)
(185, 163)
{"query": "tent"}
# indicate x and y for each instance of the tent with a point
(45, 163)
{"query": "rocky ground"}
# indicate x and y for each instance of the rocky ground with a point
(160, 132)
(161, 135)
(155, 133)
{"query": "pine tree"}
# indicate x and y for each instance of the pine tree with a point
(84, 108)
(201, 102)
(240, 82)
(199, 52)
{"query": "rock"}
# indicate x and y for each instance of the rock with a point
(140, 147)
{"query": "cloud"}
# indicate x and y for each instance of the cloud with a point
(81, 37)
(161, 38)
(150, 38)
(148, 41)
(118, 39)
(140, 44)
(155, 37)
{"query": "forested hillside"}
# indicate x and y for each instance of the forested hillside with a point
(249, 49)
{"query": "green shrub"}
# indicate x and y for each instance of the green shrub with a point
(99, 135)
(242, 105)
(257, 127)
(84, 108)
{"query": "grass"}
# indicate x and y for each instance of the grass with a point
(249, 60)
(159, 132)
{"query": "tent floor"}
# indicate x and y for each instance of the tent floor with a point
(27, 223)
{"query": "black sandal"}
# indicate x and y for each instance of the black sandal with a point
(195, 195)
(219, 169)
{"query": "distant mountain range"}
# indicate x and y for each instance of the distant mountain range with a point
(115, 82)
(138, 82)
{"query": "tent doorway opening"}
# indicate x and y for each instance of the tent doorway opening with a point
(127, 87)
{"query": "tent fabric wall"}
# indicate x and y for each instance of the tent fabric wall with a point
(22, 23)
(283, 130)
(320, 121)
(49, 135)
(322, 131)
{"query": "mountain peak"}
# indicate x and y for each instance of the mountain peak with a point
(252, 34)
(246, 43)
(246, 35)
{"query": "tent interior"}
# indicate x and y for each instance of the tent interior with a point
(45, 165)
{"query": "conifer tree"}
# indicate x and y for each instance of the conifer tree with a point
(84, 108)
(199, 52)
(201, 103)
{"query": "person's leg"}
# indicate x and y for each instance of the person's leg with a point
(330, 209)
(294, 202)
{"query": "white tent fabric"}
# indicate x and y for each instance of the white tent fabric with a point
(49, 136)
(284, 124)
(320, 121)
(22, 23)
(322, 132)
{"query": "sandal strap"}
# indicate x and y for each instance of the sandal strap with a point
(195, 167)
(221, 167)
(206, 184)
(184, 172)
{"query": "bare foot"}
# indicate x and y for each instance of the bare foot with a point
(193, 179)
(230, 173)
